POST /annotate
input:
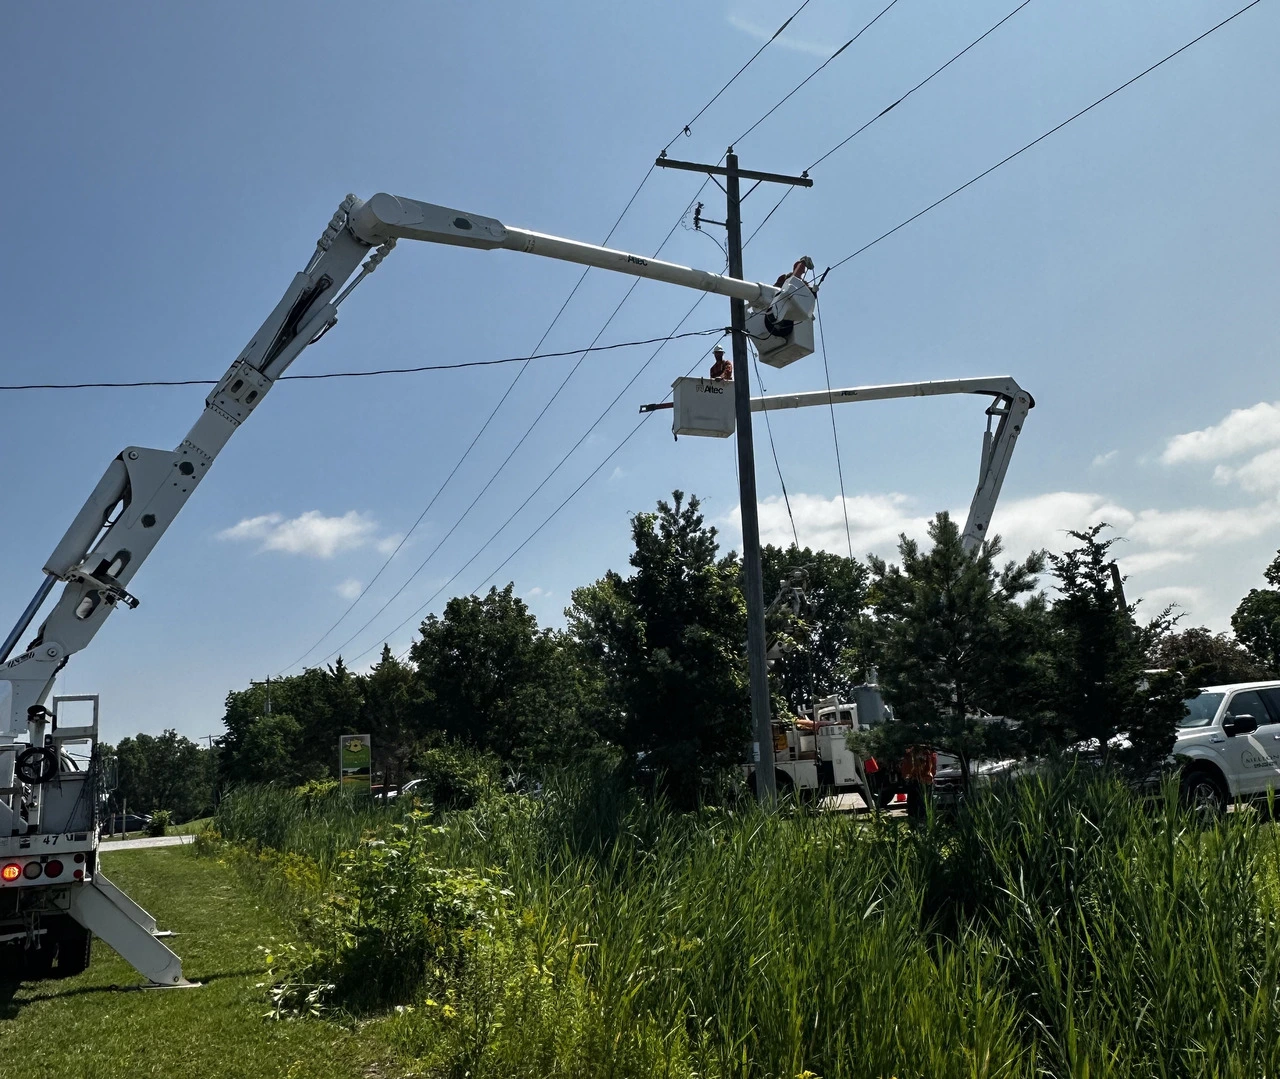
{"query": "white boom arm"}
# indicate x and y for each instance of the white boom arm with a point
(1011, 405)
(143, 489)
(704, 406)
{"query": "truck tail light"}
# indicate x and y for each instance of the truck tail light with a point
(32, 870)
(11, 871)
(53, 868)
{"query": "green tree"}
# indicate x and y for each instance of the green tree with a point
(1210, 659)
(297, 739)
(489, 678)
(1099, 660)
(955, 641)
(667, 645)
(1257, 620)
(388, 715)
(829, 630)
(168, 771)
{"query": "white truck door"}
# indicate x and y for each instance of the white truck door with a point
(1268, 735)
(1252, 759)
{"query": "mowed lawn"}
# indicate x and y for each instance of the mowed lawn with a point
(100, 1026)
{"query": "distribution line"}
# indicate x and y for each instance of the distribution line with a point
(545, 480)
(800, 85)
(590, 476)
(889, 108)
(1041, 138)
(686, 129)
(498, 471)
(835, 437)
(768, 426)
(593, 347)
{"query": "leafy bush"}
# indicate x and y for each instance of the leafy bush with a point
(391, 923)
(161, 821)
(455, 777)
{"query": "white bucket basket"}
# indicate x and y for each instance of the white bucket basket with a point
(702, 406)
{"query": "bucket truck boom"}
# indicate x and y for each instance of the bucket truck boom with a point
(134, 503)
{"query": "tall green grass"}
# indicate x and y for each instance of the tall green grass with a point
(1051, 928)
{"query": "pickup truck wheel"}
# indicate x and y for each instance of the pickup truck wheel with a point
(1203, 792)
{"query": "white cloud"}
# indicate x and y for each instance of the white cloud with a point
(1243, 430)
(1104, 458)
(311, 533)
(1150, 561)
(875, 521)
(1027, 524)
(758, 32)
(1202, 527)
(1259, 474)
(1158, 598)
(348, 589)
(538, 593)
(388, 543)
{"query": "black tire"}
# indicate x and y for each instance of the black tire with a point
(1203, 792)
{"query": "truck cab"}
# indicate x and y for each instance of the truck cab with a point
(1228, 744)
(811, 754)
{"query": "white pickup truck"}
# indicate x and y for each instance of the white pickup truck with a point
(1229, 744)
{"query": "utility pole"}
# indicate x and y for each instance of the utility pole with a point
(766, 788)
(267, 683)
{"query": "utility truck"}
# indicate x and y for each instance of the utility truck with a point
(53, 893)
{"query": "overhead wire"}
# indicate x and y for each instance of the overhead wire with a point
(685, 130)
(804, 82)
(497, 471)
(688, 128)
(889, 108)
(361, 374)
(768, 426)
(545, 480)
(1040, 138)
(835, 437)
(1146, 71)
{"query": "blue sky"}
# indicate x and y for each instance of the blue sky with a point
(169, 168)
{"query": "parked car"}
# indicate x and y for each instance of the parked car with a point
(1228, 745)
(418, 785)
(115, 823)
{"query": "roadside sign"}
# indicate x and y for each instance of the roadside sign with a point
(355, 759)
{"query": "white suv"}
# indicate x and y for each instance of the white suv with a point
(1229, 744)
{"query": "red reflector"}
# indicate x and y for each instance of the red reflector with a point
(31, 870)
(79, 874)
(12, 871)
(870, 765)
(78, 859)
(899, 797)
(53, 868)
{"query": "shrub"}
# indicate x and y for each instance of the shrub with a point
(161, 820)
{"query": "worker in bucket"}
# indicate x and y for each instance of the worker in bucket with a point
(804, 262)
(722, 369)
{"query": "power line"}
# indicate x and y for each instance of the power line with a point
(835, 437)
(768, 426)
(363, 374)
(1041, 138)
(630, 201)
(688, 128)
(545, 480)
(498, 471)
(889, 108)
(800, 85)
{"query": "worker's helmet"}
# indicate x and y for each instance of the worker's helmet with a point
(717, 351)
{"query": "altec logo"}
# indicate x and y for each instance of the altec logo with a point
(705, 388)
